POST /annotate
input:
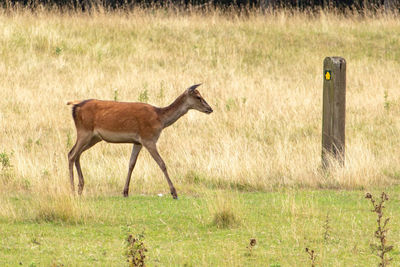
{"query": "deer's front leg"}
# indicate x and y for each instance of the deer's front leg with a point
(152, 148)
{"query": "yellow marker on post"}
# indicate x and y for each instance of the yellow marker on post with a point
(327, 75)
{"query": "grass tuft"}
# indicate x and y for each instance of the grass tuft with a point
(225, 209)
(59, 208)
(224, 218)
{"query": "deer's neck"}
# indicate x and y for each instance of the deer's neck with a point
(173, 112)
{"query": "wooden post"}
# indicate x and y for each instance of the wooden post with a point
(334, 110)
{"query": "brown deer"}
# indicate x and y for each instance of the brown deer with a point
(124, 122)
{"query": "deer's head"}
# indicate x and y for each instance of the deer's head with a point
(196, 101)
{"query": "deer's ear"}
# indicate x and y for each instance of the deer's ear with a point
(193, 87)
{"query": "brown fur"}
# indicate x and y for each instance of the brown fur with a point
(98, 115)
(124, 122)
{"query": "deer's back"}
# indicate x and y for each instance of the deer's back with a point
(118, 117)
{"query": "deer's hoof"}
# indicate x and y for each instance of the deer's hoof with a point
(174, 194)
(126, 194)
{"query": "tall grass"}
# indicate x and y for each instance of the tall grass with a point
(262, 74)
(39, 208)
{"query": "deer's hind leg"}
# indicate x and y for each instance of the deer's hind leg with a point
(91, 143)
(82, 140)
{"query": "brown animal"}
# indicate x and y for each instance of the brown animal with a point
(124, 122)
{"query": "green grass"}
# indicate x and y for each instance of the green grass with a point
(182, 232)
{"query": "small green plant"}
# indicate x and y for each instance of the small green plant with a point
(312, 255)
(115, 94)
(69, 139)
(387, 102)
(161, 93)
(144, 96)
(28, 144)
(327, 228)
(382, 248)
(5, 160)
(193, 177)
(230, 104)
(58, 51)
(6, 171)
(136, 250)
(45, 173)
(37, 142)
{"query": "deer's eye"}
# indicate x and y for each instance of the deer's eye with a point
(198, 97)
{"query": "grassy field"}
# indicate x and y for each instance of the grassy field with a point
(184, 233)
(257, 156)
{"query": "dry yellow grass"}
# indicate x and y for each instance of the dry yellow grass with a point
(261, 74)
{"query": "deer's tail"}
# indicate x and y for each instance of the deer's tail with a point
(74, 102)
